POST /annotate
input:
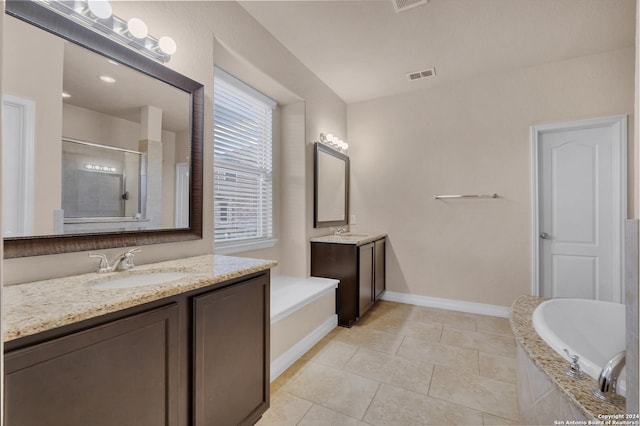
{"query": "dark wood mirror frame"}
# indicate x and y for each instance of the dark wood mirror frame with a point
(52, 22)
(322, 224)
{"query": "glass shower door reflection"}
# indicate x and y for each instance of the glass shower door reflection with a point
(100, 181)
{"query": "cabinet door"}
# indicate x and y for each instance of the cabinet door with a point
(379, 275)
(70, 381)
(231, 354)
(339, 261)
(365, 278)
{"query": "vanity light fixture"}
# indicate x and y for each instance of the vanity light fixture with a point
(100, 8)
(167, 45)
(98, 15)
(137, 28)
(333, 141)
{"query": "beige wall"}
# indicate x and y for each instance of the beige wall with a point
(194, 26)
(469, 137)
(95, 127)
(39, 80)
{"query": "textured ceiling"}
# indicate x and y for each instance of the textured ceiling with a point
(363, 49)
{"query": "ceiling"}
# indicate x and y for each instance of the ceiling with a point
(364, 49)
(82, 69)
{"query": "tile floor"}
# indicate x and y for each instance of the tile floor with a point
(403, 365)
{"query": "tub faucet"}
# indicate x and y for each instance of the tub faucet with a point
(122, 262)
(608, 379)
(574, 368)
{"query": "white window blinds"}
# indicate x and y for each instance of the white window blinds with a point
(242, 162)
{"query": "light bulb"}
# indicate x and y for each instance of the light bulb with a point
(346, 146)
(328, 137)
(341, 143)
(100, 8)
(137, 28)
(167, 45)
(335, 140)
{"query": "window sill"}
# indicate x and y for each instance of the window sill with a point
(239, 247)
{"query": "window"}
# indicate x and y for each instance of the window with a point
(242, 166)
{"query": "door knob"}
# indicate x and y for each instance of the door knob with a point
(544, 236)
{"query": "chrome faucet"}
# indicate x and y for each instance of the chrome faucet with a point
(574, 368)
(608, 379)
(122, 262)
(339, 230)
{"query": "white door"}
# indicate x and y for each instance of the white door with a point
(182, 196)
(18, 124)
(581, 200)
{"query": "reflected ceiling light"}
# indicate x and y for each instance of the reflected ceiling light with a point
(137, 28)
(100, 8)
(97, 15)
(333, 141)
(167, 45)
(107, 79)
(65, 95)
(99, 168)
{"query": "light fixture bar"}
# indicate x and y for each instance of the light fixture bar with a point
(89, 15)
(333, 141)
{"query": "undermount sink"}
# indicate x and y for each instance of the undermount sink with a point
(137, 279)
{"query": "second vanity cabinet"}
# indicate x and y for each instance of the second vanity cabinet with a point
(198, 358)
(360, 267)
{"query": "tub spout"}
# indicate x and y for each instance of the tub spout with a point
(608, 380)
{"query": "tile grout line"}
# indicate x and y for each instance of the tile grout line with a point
(371, 402)
(306, 412)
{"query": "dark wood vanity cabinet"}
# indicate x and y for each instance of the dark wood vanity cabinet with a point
(231, 347)
(379, 273)
(361, 271)
(122, 372)
(199, 358)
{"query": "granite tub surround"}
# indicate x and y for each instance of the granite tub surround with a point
(348, 238)
(545, 392)
(39, 306)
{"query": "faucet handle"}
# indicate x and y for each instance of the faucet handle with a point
(126, 259)
(574, 368)
(104, 263)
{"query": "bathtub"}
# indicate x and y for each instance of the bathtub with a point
(303, 311)
(592, 329)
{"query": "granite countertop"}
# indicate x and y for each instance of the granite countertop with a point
(38, 306)
(348, 238)
(553, 365)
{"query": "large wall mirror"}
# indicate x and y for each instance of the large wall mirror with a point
(102, 146)
(331, 181)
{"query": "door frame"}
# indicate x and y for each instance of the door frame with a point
(618, 123)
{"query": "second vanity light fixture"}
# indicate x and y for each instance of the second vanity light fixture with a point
(98, 14)
(334, 142)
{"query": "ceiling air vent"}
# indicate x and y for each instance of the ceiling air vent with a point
(417, 75)
(402, 5)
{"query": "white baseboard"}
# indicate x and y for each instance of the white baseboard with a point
(292, 354)
(450, 304)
